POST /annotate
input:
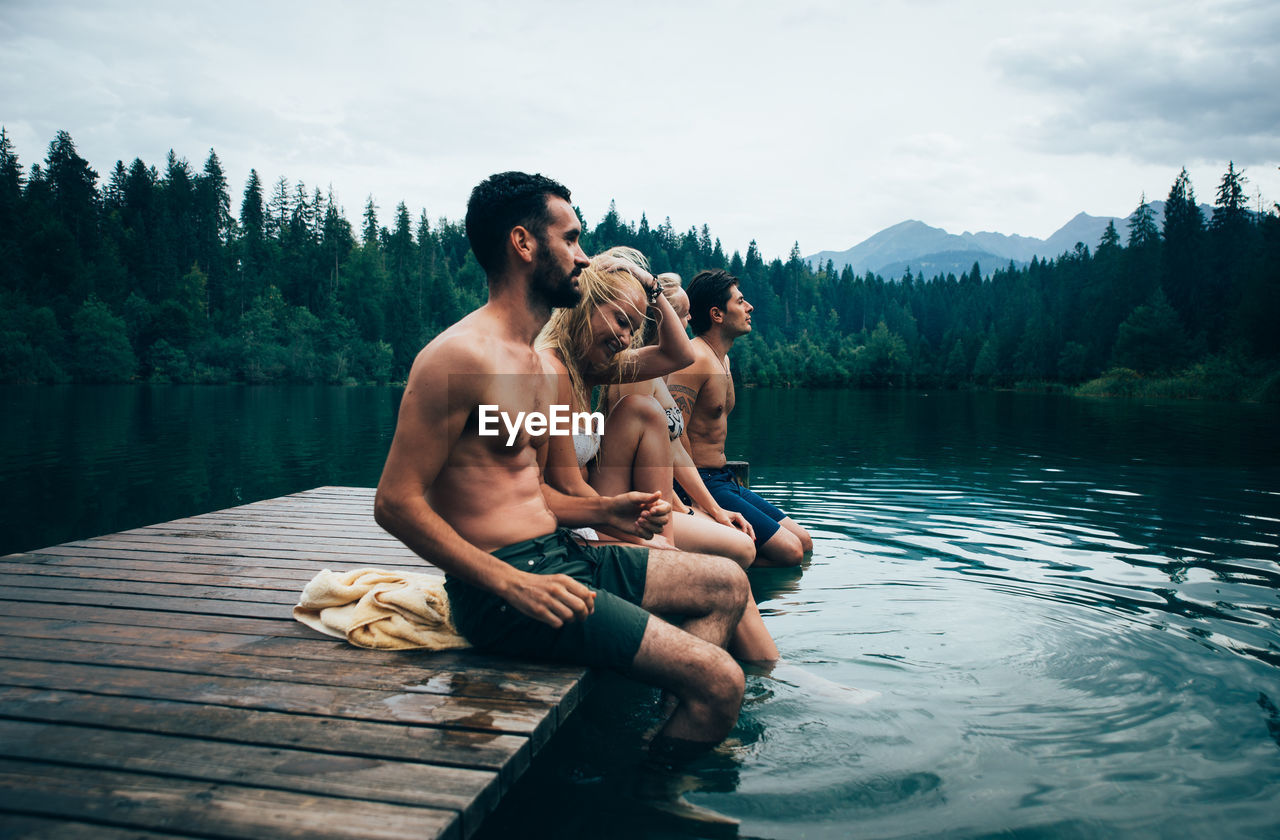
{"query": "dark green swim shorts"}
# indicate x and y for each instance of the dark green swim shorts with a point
(608, 638)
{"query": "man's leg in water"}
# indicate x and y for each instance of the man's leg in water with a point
(781, 549)
(806, 541)
(780, 540)
(788, 546)
(690, 661)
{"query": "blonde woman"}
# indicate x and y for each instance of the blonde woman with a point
(707, 528)
(592, 345)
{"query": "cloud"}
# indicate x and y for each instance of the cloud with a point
(816, 120)
(1170, 85)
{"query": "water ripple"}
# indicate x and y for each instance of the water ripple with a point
(1049, 553)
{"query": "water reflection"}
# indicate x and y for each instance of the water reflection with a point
(1070, 609)
(79, 461)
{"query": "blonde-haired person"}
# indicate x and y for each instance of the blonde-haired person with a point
(708, 528)
(598, 342)
(590, 345)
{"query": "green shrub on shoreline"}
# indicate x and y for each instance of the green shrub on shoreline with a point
(1217, 379)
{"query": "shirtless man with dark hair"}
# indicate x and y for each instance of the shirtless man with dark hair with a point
(476, 507)
(719, 314)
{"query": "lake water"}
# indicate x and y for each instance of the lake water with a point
(79, 461)
(1070, 608)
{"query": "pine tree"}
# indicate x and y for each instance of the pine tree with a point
(302, 216)
(11, 215)
(10, 172)
(251, 212)
(1233, 239)
(113, 194)
(369, 232)
(74, 187)
(1142, 258)
(1142, 226)
(1231, 206)
(1110, 237)
(215, 198)
(276, 219)
(178, 222)
(251, 246)
(336, 242)
(140, 218)
(1183, 270)
(400, 250)
(213, 224)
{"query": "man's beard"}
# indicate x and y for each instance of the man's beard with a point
(551, 285)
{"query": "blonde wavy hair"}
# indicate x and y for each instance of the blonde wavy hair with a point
(608, 279)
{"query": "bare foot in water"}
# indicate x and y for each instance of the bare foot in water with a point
(661, 790)
(816, 686)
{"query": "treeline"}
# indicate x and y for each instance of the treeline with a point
(148, 276)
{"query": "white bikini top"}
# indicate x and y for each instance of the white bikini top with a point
(585, 446)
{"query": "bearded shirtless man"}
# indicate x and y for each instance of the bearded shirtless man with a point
(719, 314)
(475, 506)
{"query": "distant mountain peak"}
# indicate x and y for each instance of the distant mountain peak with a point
(916, 244)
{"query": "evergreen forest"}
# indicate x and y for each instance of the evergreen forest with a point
(147, 275)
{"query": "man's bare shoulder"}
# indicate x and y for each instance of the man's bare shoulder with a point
(462, 348)
(475, 346)
(552, 363)
(705, 361)
(689, 381)
(686, 384)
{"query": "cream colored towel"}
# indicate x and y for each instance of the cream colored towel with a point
(375, 608)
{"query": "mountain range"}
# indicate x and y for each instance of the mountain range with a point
(931, 251)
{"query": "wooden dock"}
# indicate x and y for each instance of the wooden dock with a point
(154, 683)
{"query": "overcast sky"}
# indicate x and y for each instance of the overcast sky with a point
(806, 120)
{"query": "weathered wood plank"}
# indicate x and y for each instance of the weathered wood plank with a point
(224, 810)
(19, 619)
(360, 516)
(264, 556)
(153, 682)
(155, 562)
(507, 755)
(131, 600)
(361, 529)
(161, 592)
(329, 662)
(350, 537)
(529, 719)
(210, 538)
(319, 507)
(469, 792)
(421, 678)
(103, 614)
(173, 574)
(277, 637)
(15, 826)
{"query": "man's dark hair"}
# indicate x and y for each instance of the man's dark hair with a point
(706, 290)
(501, 202)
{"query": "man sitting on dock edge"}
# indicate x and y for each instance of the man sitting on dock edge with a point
(475, 506)
(719, 315)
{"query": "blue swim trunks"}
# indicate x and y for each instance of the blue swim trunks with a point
(730, 495)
